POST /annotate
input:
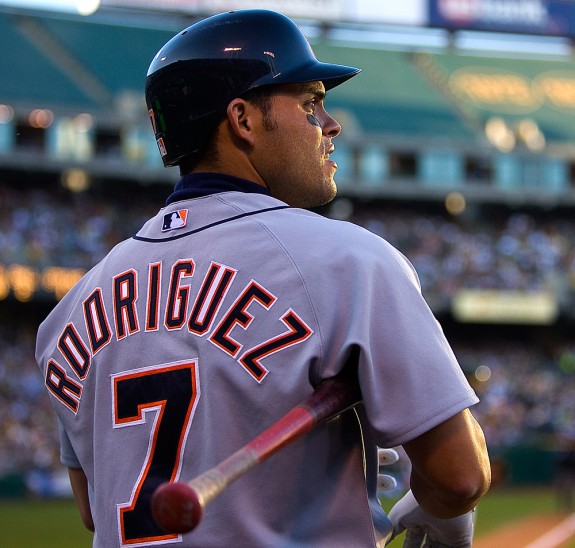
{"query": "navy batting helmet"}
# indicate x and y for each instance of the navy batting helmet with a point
(192, 79)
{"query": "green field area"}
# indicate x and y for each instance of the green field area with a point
(42, 524)
(56, 524)
(501, 507)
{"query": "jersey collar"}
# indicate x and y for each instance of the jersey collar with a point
(195, 185)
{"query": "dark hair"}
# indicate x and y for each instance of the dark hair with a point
(209, 153)
(261, 98)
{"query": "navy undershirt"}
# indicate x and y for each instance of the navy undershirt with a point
(195, 185)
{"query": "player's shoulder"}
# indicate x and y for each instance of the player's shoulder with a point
(309, 228)
(345, 253)
(306, 227)
(308, 233)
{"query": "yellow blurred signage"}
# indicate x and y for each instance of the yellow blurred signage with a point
(26, 283)
(513, 307)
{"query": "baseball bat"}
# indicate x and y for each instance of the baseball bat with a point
(178, 507)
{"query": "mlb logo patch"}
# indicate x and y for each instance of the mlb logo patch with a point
(175, 219)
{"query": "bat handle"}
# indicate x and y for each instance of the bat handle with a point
(332, 397)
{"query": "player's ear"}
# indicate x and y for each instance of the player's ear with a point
(240, 117)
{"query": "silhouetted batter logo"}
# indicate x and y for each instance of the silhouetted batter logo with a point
(175, 219)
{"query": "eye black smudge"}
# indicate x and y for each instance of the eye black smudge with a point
(313, 120)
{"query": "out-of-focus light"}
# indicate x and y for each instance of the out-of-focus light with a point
(59, 280)
(6, 114)
(82, 7)
(455, 203)
(483, 373)
(87, 7)
(41, 118)
(529, 132)
(84, 122)
(499, 134)
(23, 281)
(75, 180)
(341, 209)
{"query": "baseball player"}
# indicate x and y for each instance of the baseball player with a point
(234, 303)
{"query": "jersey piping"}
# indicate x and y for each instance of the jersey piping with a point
(210, 225)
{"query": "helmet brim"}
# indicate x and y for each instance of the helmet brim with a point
(330, 74)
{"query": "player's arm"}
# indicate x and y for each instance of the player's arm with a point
(450, 466)
(80, 489)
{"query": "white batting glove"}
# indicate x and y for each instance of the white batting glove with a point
(424, 530)
(387, 457)
(386, 482)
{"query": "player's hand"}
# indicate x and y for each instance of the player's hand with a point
(422, 529)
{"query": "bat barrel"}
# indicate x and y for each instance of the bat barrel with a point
(176, 507)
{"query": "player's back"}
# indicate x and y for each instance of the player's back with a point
(182, 345)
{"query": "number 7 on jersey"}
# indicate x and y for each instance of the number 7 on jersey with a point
(168, 393)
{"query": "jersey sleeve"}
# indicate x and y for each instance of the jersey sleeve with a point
(67, 454)
(410, 378)
(368, 302)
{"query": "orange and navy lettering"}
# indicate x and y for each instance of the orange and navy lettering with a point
(238, 315)
(78, 344)
(210, 297)
(125, 294)
(153, 303)
(178, 294)
(96, 321)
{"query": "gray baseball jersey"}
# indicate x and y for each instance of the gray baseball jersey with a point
(222, 313)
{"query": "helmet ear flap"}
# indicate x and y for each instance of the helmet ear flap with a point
(199, 71)
(187, 100)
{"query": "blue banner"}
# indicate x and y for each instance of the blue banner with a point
(542, 17)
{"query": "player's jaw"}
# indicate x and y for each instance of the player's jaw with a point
(296, 162)
(309, 174)
(308, 177)
(329, 170)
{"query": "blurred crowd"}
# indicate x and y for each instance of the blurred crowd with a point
(41, 228)
(514, 250)
(526, 389)
(28, 436)
(526, 392)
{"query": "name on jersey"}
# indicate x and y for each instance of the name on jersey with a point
(199, 314)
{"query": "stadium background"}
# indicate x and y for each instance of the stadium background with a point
(462, 154)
